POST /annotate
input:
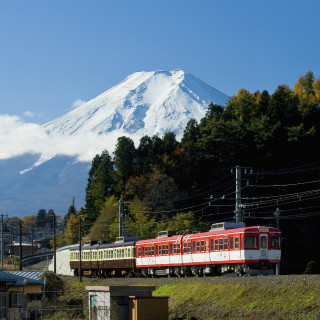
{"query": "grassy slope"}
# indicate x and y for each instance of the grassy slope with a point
(201, 297)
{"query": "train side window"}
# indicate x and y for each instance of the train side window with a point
(152, 250)
(231, 243)
(167, 249)
(225, 247)
(164, 249)
(133, 253)
(178, 248)
(185, 247)
(216, 244)
(171, 248)
(236, 242)
(249, 242)
(160, 251)
(143, 251)
(198, 246)
(221, 244)
(275, 243)
(174, 248)
(193, 246)
(189, 247)
(207, 245)
(211, 245)
(202, 245)
(156, 250)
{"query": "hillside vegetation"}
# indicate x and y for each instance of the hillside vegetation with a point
(271, 297)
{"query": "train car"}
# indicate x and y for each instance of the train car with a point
(227, 247)
(116, 259)
(159, 256)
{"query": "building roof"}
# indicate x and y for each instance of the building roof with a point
(14, 279)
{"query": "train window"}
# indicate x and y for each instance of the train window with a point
(171, 248)
(236, 242)
(189, 247)
(202, 245)
(178, 248)
(231, 243)
(129, 252)
(250, 242)
(275, 243)
(220, 244)
(164, 249)
(111, 253)
(263, 242)
(146, 251)
(167, 249)
(143, 251)
(207, 245)
(156, 250)
(211, 245)
(174, 248)
(225, 246)
(185, 247)
(152, 250)
(216, 244)
(193, 246)
(160, 250)
(198, 246)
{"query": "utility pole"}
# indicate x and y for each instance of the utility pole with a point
(238, 206)
(277, 214)
(20, 244)
(238, 195)
(120, 218)
(2, 241)
(80, 259)
(54, 244)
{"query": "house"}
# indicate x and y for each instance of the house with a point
(21, 294)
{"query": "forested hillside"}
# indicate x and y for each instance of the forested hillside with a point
(186, 185)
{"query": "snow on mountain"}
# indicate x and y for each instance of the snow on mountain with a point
(145, 103)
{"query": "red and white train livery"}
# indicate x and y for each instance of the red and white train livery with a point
(227, 247)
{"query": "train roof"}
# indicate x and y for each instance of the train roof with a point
(211, 233)
(235, 230)
(105, 245)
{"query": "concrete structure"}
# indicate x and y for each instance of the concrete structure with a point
(63, 261)
(106, 301)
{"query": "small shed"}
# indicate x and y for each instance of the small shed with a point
(146, 308)
(108, 302)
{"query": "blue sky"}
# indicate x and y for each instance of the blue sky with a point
(55, 52)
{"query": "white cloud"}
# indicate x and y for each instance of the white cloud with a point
(18, 137)
(28, 114)
(78, 103)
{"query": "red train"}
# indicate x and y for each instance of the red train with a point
(227, 247)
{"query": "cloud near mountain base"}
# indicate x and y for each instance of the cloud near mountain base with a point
(18, 137)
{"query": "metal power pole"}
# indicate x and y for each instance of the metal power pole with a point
(20, 244)
(54, 244)
(80, 260)
(238, 195)
(2, 255)
(120, 218)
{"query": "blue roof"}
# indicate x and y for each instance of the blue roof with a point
(20, 278)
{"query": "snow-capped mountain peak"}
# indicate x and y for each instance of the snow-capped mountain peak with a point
(145, 103)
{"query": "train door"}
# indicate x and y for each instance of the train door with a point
(264, 246)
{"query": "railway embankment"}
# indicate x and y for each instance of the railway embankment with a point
(260, 297)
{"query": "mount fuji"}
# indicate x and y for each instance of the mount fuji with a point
(145, 103)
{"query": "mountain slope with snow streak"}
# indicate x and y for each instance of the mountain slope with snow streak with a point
(145, 103)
